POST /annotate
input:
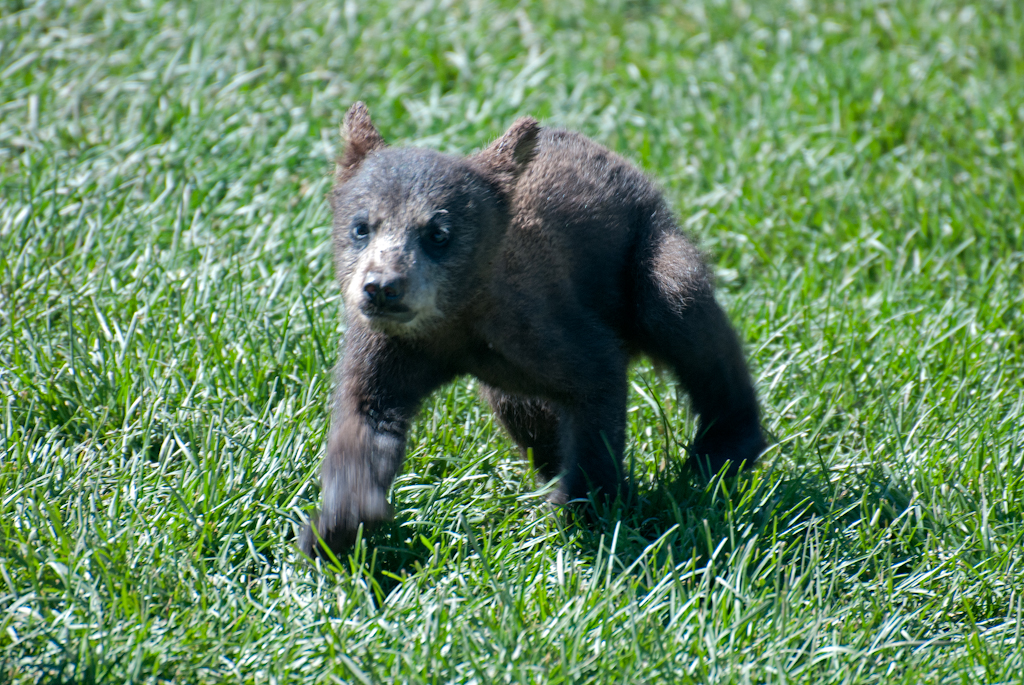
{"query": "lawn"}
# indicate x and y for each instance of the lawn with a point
(854, 171)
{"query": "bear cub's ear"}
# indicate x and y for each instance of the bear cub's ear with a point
(361, 138)
(509, 155)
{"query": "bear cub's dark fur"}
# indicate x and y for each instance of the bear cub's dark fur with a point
(541, 265)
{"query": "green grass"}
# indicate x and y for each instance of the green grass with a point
(168, 321)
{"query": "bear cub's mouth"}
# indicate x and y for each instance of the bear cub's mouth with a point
(398, 313)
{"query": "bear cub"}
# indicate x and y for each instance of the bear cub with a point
(541, 265)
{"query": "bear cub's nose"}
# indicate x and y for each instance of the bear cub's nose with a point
(384, 292)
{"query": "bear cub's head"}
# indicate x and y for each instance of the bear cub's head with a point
(415, 230)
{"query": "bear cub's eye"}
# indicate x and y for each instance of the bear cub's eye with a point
(360, 228)
(437, 232)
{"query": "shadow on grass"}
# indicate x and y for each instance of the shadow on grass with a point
(691, 518)
(695, 521)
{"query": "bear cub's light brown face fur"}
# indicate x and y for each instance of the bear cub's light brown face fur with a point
(541, 265)
(412, 231)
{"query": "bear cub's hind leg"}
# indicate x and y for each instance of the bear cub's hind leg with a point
(533, 424)
(682, 326)
(583, 442)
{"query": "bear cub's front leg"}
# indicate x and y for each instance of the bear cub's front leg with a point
(380, 384)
